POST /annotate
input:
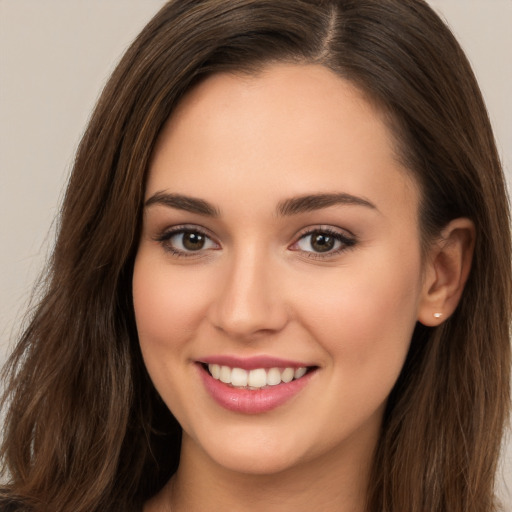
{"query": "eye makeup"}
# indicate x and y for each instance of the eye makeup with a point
(186, 241)
(320, 242)
(323, 242)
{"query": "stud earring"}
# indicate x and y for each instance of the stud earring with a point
(438, 315)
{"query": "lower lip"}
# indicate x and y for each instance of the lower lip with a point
(248, 401)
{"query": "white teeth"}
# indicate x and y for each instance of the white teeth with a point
(238, 377)
(273, 377)
(287, 375)
(214, 370)
(300, 372)
(225, 374)
(257, 378)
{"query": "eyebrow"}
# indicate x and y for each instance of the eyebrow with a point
(288, 207)
(308, 203)
(181, 202)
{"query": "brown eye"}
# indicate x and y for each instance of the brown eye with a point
(183, 242)
(322, 242)
(193, 241)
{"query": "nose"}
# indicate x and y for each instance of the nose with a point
(249, 301)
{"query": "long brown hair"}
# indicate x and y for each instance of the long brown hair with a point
(85, 430)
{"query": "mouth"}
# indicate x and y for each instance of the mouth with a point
(257, 378)
(256, 389)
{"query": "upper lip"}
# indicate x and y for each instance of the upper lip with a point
(251, 363)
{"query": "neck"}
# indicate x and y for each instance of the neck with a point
(336, 481)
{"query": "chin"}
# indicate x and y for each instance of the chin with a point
(255, 461)
(254, 452)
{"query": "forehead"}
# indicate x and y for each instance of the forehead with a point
(288, 130)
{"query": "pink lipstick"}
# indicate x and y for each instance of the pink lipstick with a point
(253, 385)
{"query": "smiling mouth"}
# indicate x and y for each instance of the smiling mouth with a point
(257, 378)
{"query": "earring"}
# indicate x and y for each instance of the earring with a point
(438, 315)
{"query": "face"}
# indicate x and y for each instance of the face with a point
(278, 278)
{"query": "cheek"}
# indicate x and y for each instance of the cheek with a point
(365, 323)
(167, 304)
(365, 327)
(168, 310)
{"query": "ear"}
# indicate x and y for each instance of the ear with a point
(447, 269)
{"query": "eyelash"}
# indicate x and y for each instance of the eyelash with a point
(346, 242)
(165, 237)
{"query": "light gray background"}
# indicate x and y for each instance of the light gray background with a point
(55, 56)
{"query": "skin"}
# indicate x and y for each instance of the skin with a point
(245, 144)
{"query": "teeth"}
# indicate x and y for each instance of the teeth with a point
(215, 371)
(273, 377)
(225, 374)
(257, 378)
(287, 375)
(239, 377)
(300, 372)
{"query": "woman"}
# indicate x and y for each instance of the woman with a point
(282, 276)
